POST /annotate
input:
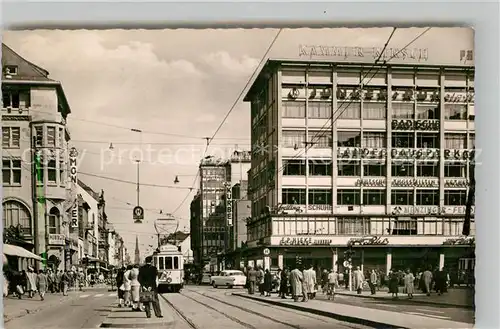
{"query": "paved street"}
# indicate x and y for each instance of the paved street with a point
(78, 310)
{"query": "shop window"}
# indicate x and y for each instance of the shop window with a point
(374, 139)
(374, 110)
(403, 140)
(293, 109)
(427, 140)
(349, 168)
(293, 196)
(428, 169)
(404, 226)
(348, 110)
(402, 169)
(11, 137)
(374, 168)
(353, 226)
(16, 214)
(11, 172)
(320, 197)
(349, 138)
(374, 197)
(427, 197)
(294, 167)
(402, 197)
(320, 167)
(320, 110)
(348, 197)
(455, 198)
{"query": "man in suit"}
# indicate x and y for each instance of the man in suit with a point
(148, 276)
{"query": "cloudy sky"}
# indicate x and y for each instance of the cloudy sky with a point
(176, 86)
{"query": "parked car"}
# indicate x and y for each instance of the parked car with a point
(205, 278)
(229, 278)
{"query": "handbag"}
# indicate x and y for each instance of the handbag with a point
(146, 296)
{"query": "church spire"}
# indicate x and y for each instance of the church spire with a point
(137, 259)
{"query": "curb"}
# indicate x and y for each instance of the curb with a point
(23, 312)
(109, 323)
(336, 316)
(422, 302)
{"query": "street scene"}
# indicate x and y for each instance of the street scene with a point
(178, 178)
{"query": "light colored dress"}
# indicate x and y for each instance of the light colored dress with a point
(134, 284)
(296, 279)
(31, 281)
(359, 278)
(309, 281)
(409, 280)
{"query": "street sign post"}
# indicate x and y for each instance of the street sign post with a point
(267, 252)
(138, 214)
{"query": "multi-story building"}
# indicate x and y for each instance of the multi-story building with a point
(88, 214)
(370, 159)
(111, 238)
(102, 232)
(35, 160)
(211, 209)
(119, 250)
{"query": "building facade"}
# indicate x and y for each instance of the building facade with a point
(88, 214)
(35, 161)
(370, 160)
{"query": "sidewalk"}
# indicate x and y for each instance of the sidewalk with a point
(455, 297)
(361, 315)
(123, 317)
(14, 307)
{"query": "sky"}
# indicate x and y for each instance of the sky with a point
(176, 86)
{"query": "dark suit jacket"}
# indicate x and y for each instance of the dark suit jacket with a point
(147, 276)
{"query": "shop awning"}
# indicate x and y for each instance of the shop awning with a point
(12, 250)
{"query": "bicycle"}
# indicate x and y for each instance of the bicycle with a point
(330, 293)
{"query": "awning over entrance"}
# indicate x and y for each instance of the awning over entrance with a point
(12, 250)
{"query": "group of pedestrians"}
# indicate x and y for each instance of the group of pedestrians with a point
(28, 283)
(138, 288)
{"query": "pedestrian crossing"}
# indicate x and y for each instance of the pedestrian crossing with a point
(98, 295)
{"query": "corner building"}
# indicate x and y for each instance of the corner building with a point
(388, 178)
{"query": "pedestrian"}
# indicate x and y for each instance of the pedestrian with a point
(268, 283)
(427, 279)
(119, 285)
(373, 282)
(409, 281)
(324, 281)
(127, 286)
(333, 281)
(296, 279)
(284, 283)
(42, 284)
(148, 277)
(309, 283)
(58, 281)
(440, 282)
(135, 288)
(252, 280)
(65, 282)
(260, 278)
(31, 282)
(359, 279)
(394, 283)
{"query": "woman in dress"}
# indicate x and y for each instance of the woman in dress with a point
(31, 282)
(135, 287)
(126, 286)
(409, 281)
(394, 284)
(42, 284)
(268, 283)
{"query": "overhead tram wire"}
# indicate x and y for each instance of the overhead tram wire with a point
(343, 110)
(131, 182)
(209, 140)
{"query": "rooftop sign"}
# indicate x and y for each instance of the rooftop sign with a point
(369, 53)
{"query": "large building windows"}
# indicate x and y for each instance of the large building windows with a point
(348, 197)
(402, 110)
(403, 140)
(293, 196)
(349, 138)
(472, 141)
(348, 110)
(455, 197)
(374, 110)
(455, 112)
(455, 141)
(51, 136)
(427, 112)
(374, 197)
(455, 169)
(374, 139)
(404, 226)
(317, 196)
(293, 109)
(14, 214)
(348, 168)
(11, 137)
(294, 167)
(294, 138)
(427, 168)
(54, 217)
(402, 197)
(320, 110)
(403, 169)
(11, 172)
(353, 226)
(427, 140)
(427, 197)
(320, 139)
(374, 168)
(51, 171)
(319, 167)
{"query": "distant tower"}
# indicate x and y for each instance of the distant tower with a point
(137, 259)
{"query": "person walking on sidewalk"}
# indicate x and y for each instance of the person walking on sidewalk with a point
(373, 282)
(310, 283)
(296, 279)
(393, 283)
(126, 286)
(268, 283)
(252, 280)
(119, 285)
(409, 281)
(427, 279)
(31, 282)
(260, 278)
(42, 284)
(284, 283)
(135, 288)
(148, 279)
(65, 281)
(359, 278)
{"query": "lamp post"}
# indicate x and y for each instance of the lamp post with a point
(138, 164)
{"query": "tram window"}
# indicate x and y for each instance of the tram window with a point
(160, 263)
(176, 263)
(168, 263)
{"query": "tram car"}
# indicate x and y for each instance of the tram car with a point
(170, 264)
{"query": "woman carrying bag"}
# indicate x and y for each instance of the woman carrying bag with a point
(135, 288)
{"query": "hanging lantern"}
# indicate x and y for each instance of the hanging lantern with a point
(176, 180)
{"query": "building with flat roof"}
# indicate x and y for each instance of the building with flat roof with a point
(362, 158)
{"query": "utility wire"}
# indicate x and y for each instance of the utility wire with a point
(209, 140)
(134, 183)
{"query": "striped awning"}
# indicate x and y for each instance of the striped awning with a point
(11, 250)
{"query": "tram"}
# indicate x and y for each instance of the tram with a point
(170, 264)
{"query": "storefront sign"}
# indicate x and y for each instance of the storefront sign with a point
(457, 183)
(368, 241)
(74, 215)
(57, 239)
(372, 53)
(456, 210)
(368, 182)
(415, 210)
(288, 241)
(73, 154)
(360, 153)
(459, 154)
(229, 205)
(421, 125)
(459, 97)
(401, 182)
(412, 154)
(460, 242)
(300, 208)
